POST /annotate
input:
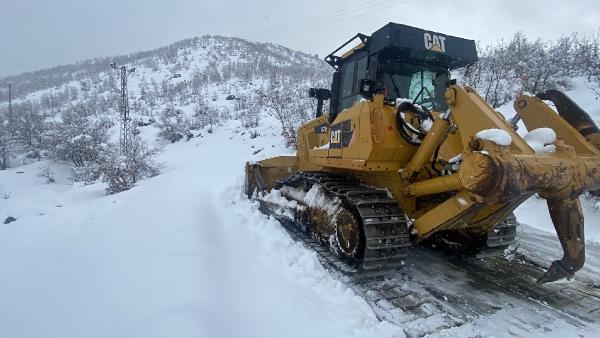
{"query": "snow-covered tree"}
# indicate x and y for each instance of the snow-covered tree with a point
(509, 68)
(174, 124)
(205, 115)
(588, 55)
(122, 171)
(79, 138)
(7, 143)
(289, 104)
(29, 124)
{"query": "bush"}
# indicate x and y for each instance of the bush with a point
(47, 173)
(173, 124)
(205, 115)
(122, 171)
(88, 173)
(79, 138)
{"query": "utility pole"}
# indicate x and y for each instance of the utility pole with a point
(125, 137)
(10, 113)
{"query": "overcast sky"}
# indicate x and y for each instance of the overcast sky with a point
(37, 34)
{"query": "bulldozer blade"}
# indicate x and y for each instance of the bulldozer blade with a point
(254, 181)
(567, 218)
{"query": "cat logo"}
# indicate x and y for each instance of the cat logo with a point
(435, 42)
(336, 136)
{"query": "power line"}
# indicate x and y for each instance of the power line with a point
(341, 19)
(318, 19)
(327, 19)
(321, 17)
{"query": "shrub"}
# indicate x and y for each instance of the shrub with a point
(122, 171)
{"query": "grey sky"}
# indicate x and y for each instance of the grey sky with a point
(43, 33)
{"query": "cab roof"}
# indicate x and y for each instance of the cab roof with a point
(412, 45)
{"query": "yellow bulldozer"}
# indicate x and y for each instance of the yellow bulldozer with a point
(405, 156)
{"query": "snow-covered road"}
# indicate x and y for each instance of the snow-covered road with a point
(184, 254)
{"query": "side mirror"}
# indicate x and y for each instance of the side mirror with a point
(321, 94)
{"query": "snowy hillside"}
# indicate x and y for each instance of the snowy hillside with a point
(185, 254)
(179, 88)
(196, 55)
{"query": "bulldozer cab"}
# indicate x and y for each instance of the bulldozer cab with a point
(402, 62)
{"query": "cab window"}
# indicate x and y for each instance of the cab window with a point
(424, 86)
(352, 73)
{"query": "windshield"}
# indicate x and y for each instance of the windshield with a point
(423, 86)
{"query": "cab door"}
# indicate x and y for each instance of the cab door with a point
(343, 141)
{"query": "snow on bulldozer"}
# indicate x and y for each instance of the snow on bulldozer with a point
(406, 156)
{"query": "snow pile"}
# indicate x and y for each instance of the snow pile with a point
(81, 137)
(402, 100)
(315, 198)
(455, 159)
(286, 206)
(498, 136)
(541, 140)
(426, 124)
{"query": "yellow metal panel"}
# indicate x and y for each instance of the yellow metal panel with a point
(352, 150)
(472, 114)
(280, 161)
(536, 114)
(339, 163)
(316, 153)
(444, 213)
(364, 136)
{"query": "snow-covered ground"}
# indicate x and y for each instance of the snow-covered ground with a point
(183, 254)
